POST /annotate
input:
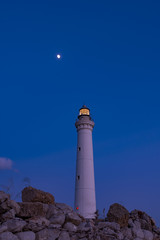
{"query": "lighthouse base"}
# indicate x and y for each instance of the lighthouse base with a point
(85, 203)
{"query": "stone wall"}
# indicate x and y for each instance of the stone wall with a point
(39, 217)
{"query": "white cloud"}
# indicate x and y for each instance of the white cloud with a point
(5, 163)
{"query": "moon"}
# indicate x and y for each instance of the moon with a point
(58, 56)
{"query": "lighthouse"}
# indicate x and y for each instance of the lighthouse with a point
(85, 200)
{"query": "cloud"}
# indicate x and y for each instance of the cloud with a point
(5, 163)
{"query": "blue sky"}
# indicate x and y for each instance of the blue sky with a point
(110, 62)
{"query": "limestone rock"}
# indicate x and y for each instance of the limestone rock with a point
(13, 205)
(114, 226)
(64, 208)
(41, 221)
(58, 219)
(156, 230)
(4, 207)
(64, 236)
(8, 236)
(74, 218)
(108, 231)
(127, 232)
(28, 209)
(137, 232)
(82, 227)
(9, 204)
(148, 235)
(120, 236)
(8, 215)
(3, 228)
(54, 226)
(4, 196)
(15, 225)
(53, 210)
(75, 237)
(137, 224)
(145, 220)
(90, 223)
(47, 234)
(36, 224)
(26, 235)
(30, 194)
(131, 223)
(70, 227)
(119, 214)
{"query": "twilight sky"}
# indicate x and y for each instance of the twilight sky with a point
(110, 62)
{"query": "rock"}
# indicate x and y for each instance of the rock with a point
(8, 236)
(53, 210)
(48, 234)
(58, 219)
(13, 205)
(109, 231)
(145, 220)
(36, 224)
(127, 232)
(73, 218)
(153, 221)
(15, 225)
(145, 225)
(28, 209)
(103, 236)
(54, 226)
(119, 214)
(64, 208)
(30, 194)
(156, 237)
(4, 207)
(148, 235)
(8, 215)
(4, 196)
(120, 236)
(75, 237)
(82, 234)
(26, 235)
(64, 236)
(9, 204)
(82, 227)
(59, 222)
(114, 226)
(137, 232)
(70, 227)
(137, 224)
(90, 223)
(130, 223)
(3, 228)
(156, 230)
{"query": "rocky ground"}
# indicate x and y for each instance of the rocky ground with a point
(39, 217)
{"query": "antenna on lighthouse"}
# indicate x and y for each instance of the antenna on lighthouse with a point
(85, 200)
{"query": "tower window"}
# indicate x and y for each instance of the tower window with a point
(79, 148)
(78, 177)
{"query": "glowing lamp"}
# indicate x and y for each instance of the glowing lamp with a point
(84, 111)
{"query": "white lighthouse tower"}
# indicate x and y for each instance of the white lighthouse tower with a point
(85, 200)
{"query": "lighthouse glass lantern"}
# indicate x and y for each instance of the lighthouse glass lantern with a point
(84, 111)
